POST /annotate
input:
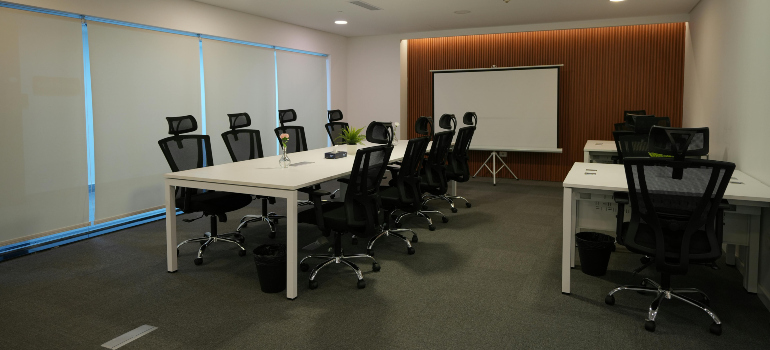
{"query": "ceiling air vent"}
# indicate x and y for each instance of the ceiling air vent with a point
(365, 5)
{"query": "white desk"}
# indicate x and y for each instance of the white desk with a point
(263, 177)
(588, 205)
(598, 151)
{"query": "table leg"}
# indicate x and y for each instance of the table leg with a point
(752, 265)
(291, 245)
(568, 239)
(730, 254)
(171, 237)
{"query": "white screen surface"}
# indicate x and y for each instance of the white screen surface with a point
(517, 108)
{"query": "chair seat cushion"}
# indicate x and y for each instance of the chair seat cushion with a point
(390, 196)
(336, 219)
(645, 237)
(219, 202)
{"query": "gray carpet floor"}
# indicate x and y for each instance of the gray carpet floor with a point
(490, 278)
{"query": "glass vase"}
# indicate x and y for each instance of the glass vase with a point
(284, 160)
(395, 135)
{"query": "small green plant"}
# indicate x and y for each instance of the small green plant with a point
(351, 136)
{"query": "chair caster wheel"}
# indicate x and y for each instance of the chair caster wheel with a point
(398, 225)
(454, 210)
(354, 241)
(414, 239)
(410, 250)
(304, 267)
(445, 219)
(609, 300)
(432, 228)
(644, 283)
(361, 284)
(242, 252)
(369, 252)
(715, 329)
(650, 326)
(271, 235)
(332, 196)
(198, 261)
(375, 267)
(312, 285)
(467, 205)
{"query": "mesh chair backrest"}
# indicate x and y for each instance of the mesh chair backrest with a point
(440, 147)
(423, 126)
(181, 125)
(470, 118)
(334, 129)
(413, 157)
(362, 201)
(185, 152)
(630, 144)
(239, 120)
(676, 208)
(286, 116)
(463, 142)
(628, 115)
(679, 142)
(334, 115)
(623, 127)
(448, 122)
(643, 123)
(243, 144)
(380, 133)
(297, 141)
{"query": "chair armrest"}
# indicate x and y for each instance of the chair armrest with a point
(620, 197)
(725, 205)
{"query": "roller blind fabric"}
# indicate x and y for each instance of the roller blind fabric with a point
(302, 87)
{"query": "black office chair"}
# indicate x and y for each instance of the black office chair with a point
(403, 193)
(628, 115)
(245, 144)
(435, 190)
(360, 213)
(185, 152)
(457, 159)
(676, 214)
(334, 127)
(297, 143)
(630, 144)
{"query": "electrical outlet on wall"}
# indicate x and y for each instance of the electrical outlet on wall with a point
(503, 154)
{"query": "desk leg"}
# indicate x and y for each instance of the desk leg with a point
(452, 188)
(171, 238)
(752, 265)
(586, 157)
(291, 245)
(568, 240)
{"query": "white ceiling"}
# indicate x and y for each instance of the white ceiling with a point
(404, 16)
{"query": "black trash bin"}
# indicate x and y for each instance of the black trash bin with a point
(271, 267)
(594, 249)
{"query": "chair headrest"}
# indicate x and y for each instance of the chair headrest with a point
(380, 133)
(423, 125)
(631, 118)
(286, 116)
(239, 120)
(181, 125)
(469, 118)
(335, 115)
(447, 121)
(679, 142)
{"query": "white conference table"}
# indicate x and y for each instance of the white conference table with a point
(598, 151)
(263, 177)
(588, 205)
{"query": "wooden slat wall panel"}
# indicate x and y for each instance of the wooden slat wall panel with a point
(606, 71)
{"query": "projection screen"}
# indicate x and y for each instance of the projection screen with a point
(517, 107)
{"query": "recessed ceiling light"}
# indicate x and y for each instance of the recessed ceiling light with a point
(341, 22)
(616, 0)
(462, 12)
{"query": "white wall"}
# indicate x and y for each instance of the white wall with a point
(376, 73)
(206, 19)
(727, 86)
